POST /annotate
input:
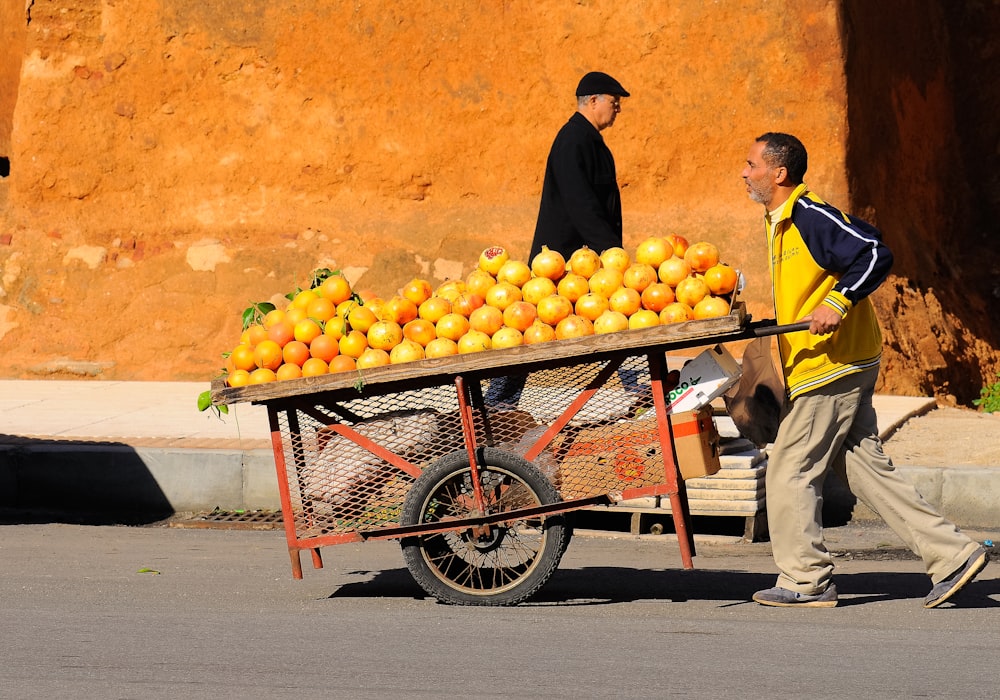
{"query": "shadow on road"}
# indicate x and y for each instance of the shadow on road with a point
(92, 483)
(610, 585)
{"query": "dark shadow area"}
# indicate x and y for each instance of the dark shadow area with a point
(923, 166)
(609, 585)
(87, 483)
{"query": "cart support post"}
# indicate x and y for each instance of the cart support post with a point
(679, 509)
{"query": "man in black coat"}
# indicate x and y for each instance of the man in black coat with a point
(581, 204)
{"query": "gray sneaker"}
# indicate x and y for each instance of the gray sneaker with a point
(784, 598)
(954, 583)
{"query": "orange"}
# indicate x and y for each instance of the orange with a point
(584, 262)
(262, 375)
(479, 281)
(625, 300)
(342, 363)
(514, 272)
(539, 332)
(610, 322)
(288, 372)
(361, 318)
(721, 279)
(373, 357)
(488, 319)
(643, 318)
(406, 351)
(474, 341)
(282, 332)
(441, 347)
(492, 259)
(656, 296)
(267, 355)
(680, 244)
(242, 358)
(701, 256)
(676, 313)
(711, 307)
(417, 290)
(384, 335)
(336, 288)
(574, 326)
(638, 276)
(450, 289)
(255, 333)
(605, 282)
(434, 308)
(520, 315)
(375, 305)
(344, 307)
(399, 309)
(325, 347)
(673, 270)
(314, 367)
(452, 326)
(307, 330)
(537, 288)
(554, 308)
(353, 344)
(272, 317)
(321, 309)
(549, 264)
(295, 353)
(590, 306)
(691, 290)
(335, 327)
(653, 251)
(507, 337)
(466, 302)
(238, 377)
(302, 299)
(503, 294)
(616, 259)
(420, 331)
(294, 314)
(573, 286)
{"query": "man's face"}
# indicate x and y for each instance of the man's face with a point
(606, 108)
(759, 176)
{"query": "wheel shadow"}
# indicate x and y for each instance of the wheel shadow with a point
(590, 586)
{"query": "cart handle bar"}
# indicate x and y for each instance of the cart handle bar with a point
(770, 328)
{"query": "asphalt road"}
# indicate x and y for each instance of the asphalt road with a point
(119, 612)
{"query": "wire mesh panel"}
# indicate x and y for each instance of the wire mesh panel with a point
(590, 428)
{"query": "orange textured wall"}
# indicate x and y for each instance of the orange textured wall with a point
(173, 160)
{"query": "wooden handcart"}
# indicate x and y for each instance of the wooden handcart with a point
(474, 461)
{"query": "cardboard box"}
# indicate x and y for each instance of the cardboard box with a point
(706, 377)
(696, 443)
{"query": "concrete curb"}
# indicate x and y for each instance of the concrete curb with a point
(142, 449)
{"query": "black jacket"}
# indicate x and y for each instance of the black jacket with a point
(581, 204)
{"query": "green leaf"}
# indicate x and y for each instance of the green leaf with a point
(204, 400)
(147, 570)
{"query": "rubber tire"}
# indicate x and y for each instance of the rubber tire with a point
(432, 488)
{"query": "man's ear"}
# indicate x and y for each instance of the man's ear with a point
(781, 176)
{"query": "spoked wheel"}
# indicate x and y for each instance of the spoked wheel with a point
(498, 564)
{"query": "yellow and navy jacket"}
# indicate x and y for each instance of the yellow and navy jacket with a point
(820, 255)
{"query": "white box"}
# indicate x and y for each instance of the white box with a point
(703, 379)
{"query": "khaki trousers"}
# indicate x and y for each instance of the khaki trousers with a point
(835, 428)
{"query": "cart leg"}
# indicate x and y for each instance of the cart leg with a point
(685, 539)
(293, 554)
(317, 558)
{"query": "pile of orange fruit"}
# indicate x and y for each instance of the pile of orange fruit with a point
(502, 303)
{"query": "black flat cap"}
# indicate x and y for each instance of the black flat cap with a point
(597, 83)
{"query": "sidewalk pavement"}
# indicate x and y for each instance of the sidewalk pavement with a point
(144, 446)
